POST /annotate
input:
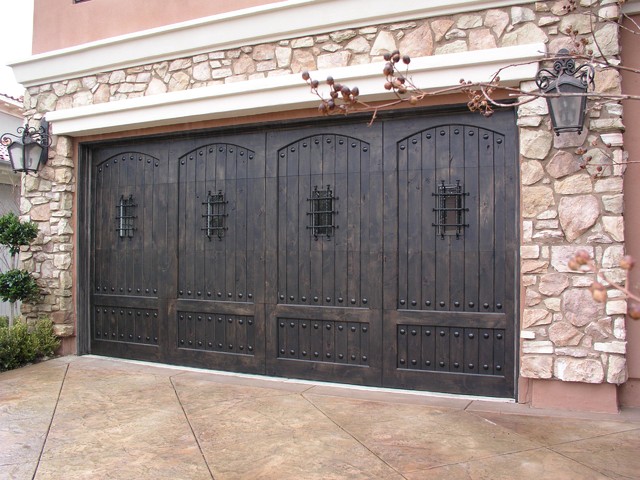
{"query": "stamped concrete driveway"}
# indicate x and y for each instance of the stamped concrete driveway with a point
(99, 418)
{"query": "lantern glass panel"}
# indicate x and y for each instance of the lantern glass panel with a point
(32, 151)
(16, 155)
(567, 111)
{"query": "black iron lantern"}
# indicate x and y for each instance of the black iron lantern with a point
(566, 87)
(29, 149)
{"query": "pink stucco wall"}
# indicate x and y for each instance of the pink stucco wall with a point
(56, 22)
(630, 392)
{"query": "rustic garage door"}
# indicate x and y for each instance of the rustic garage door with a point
(382, 255)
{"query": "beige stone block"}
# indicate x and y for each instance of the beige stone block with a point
(617, 307)
(553, 304)
(563, 334)
(418, 43)
(612, 139)
(538, 106)
(609, 185)
(527, 335)
(614, 226)
(600, 330)
(606, 124)
(385, 43)
(481, 39)
(342, 35)
(528, 280)
(359, 45)
(537, 346)
(579, 307)
(577, 352)
(553, 284)
(63, 330)
(533, 266)
(528, 33)
(536, 200)
(546, 21)
(617, 370)
(584, 370)
(575, 184)
(578, 214)
(531, 172)
(607, 39)
(532, 317)
(453, 47)
(536, 366)
(529, 251)
(497, 20)
(616, 346)
(535, 144)
(333, 60)
(532, 298)
(521, 15)
(466, 22)
(440, 28)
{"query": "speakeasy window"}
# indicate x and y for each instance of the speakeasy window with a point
(125, 216)
(322, 212)
(449, 209)
(215, 214)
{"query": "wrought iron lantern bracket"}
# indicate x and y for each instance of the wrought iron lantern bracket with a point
(29, 149)
(565, 87)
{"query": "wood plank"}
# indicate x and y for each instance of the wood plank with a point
(442, 348)
(486, 217)
(414, 347)
(231, 234)
(471, 236)
(428, 348)
(457, 262)
(303, 220)
(443, 245)
(429, 237)
(328, 243)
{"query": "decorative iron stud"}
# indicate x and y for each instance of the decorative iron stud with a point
(215, 215)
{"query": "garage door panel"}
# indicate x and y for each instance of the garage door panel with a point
(381, 255)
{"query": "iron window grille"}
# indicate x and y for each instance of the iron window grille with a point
(216, 212)
(322, 212)
(450, 209)
(125, 217)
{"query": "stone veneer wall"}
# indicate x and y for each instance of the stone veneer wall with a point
(565, 334)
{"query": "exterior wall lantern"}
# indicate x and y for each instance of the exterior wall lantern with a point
(566, 87)
(28, 150)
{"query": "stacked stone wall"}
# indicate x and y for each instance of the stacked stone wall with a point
(564, 333)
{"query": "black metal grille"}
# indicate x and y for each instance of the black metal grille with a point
(322, 212)
(215, 215)
(125, 217)
(450, 209)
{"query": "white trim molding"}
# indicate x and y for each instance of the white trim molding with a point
(631, 7)
(267, 23)
(289, 92)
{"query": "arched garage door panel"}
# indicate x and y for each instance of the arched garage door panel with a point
(380, 255)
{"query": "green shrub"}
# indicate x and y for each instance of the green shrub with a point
(20, 345)
(16, 284)
(14, 233)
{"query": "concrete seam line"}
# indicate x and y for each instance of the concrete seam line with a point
(53, 415)
(186, 417)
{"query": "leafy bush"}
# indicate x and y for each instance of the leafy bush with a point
(16, 284)
(20, 345)
(14, 233)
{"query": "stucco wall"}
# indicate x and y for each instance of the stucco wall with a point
(565, 334)
(631, 84)
(56, 22)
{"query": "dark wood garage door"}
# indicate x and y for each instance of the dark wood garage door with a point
(381, 255)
